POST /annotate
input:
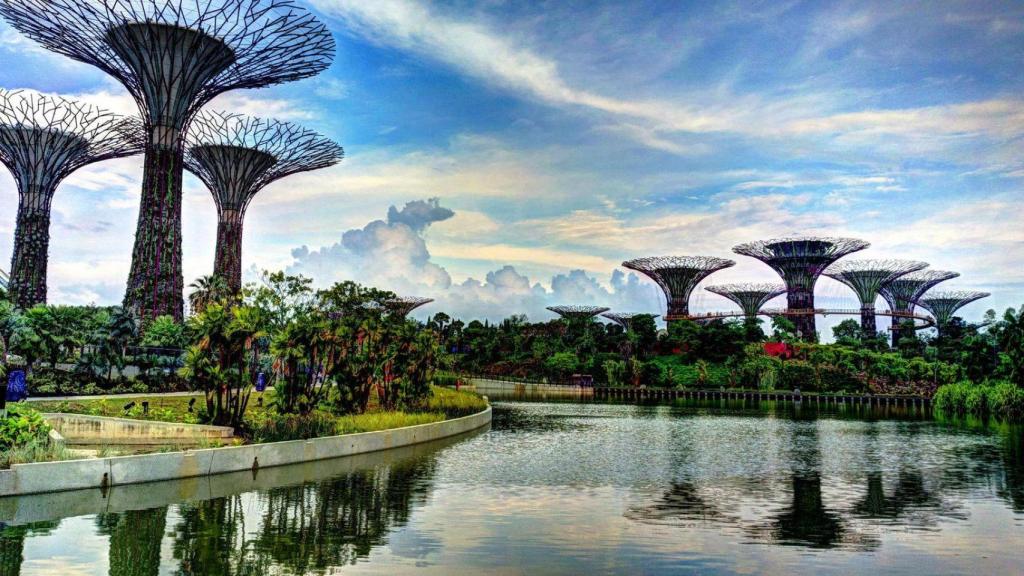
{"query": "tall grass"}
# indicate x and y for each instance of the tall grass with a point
(453, 403)
(36, 451)
(1001, 398)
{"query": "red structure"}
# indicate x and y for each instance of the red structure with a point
(778, 350)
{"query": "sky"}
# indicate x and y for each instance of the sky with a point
(505, 156)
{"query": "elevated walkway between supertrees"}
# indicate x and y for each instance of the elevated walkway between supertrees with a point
(925, 321)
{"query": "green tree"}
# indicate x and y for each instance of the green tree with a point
(561, 365)
(208, 290)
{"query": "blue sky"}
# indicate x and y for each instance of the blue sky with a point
(572, 135)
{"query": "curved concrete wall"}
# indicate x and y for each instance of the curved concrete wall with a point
(106, 472)
(83, 428)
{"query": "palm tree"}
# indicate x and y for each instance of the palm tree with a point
(207, 290)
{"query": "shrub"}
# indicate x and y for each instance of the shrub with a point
(1007, 400)
(453, 403)
(1002, 399)
(22, 426)
(270, 426)
(798, 374)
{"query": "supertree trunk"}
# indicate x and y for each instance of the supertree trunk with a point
(678, 308)
(155, 282)
(27, 285)
(868, 325)
(227, 261)
(897, 332)
(805, 326)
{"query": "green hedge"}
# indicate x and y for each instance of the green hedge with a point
(1002, 399)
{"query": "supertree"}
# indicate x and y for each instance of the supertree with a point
(800, 261)
(903, 293)
(943, 305)
(236, 157)
(174, 56)
(866, 278)
(403, 305)
(749, 297)
(578, 311)
(625, 319)
(678, 276)
(43, 139)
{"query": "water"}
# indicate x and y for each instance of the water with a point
(571, 488)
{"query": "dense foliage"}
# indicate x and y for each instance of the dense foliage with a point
(732, 354)
(23, 426)
(326, 352)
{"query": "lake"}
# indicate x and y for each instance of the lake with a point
(575, 488)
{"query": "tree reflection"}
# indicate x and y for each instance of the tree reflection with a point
(1012, 488)
(306, 529)
(135, 538)
(805, 520)
(12, 544)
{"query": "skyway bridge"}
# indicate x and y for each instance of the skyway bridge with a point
(921, 321)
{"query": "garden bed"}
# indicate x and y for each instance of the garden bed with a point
(262, 423)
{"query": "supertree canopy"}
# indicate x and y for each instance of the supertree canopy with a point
(174, 56)
(625, 319)
(903, 293)
(236, 157)
(943, 305)
(577, 312)
(43, 139)
(800, 261)
(749, 297)
(678, 276)
(866, 278)
(403, 305)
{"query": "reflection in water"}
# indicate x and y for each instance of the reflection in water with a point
(806, 521)
(135, 538)
(586, 488)
(307, 529)
(12, 544)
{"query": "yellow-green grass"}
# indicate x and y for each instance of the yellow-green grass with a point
(443, 403)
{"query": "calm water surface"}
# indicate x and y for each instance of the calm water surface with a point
(574, 489)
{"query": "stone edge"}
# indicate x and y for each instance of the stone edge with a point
(41, 477)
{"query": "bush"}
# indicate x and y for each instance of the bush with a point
(269, 426)
(452, 403)
(1002, 399)
(1006, 399)
(798, 374)
(23, 426)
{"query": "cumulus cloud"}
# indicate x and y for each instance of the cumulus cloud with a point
(393, 254)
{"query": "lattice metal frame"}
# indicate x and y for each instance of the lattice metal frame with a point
(625, 319)
(236, 156)
(43, 139)
(403, 305)
(903, 293)
(800, 261)
(943, 305)
(577, 311)
(750, 297)
(678, 276)
(866, 278)
(174, 56)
